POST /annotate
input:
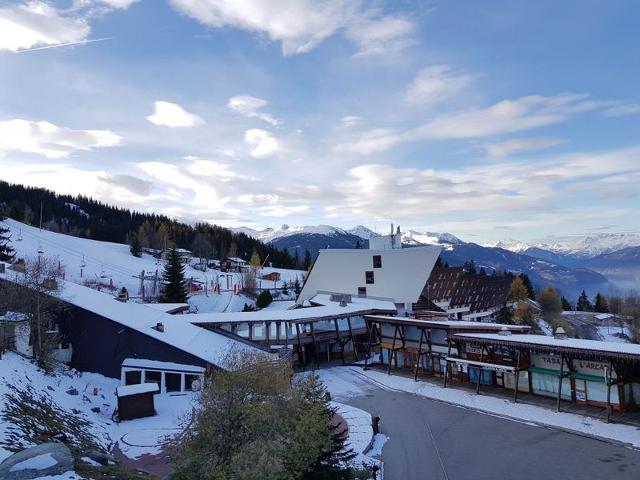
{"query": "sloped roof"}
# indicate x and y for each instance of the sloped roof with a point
(207, 345)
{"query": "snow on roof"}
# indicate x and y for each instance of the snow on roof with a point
(577, 344)
(237, 259)
(449, 324)
(126, 390)
(358, 306)
(157, 365)
(167, 307)
(205, 344)
(604, 316)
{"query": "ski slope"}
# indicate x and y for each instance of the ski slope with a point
(110, 266)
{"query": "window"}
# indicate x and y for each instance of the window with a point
(368, 276)
(377, 261)
(362, 291)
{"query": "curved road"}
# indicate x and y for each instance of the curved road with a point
(433, 440)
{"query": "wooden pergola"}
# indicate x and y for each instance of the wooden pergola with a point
(624, 362)
(400, 341)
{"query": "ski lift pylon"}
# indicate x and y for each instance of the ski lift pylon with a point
(19, 239)
(83, 263)
(40, 250)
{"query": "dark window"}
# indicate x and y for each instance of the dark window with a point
(362, 291)
(172, 382)
(133, 377)
(368, 276)
(377, 261)
(152, 377)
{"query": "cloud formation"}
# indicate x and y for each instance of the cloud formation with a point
(262, 142)
(35, 23)
(437, 83)
(518, 145)
(301, 25)
(172, 115)
(251, 107)
(504, 117)
(49, 140)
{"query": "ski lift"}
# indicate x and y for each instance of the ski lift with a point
(83, 263)
(102, 273)
(19, 239)
(40, 250)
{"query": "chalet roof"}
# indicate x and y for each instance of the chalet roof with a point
(571, 346)
(453, 325)
(207, 345)
(326, 310)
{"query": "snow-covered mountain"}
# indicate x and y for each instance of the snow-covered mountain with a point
(270, 234)
(576, 246)
(412, 237)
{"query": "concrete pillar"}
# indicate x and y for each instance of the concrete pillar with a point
(182, 382)
(142, 376)
(123, 376)
(163, 385)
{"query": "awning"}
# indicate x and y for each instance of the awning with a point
(496, 367)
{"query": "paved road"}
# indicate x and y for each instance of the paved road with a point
(432, 440)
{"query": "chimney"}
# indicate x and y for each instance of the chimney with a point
(392, 229)
(560, 334)
(159, 327)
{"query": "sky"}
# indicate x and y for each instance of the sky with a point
(488, 120)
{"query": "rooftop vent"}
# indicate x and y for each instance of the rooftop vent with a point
(560, 333)
(159, 327)
(340, 297)
(504, 331)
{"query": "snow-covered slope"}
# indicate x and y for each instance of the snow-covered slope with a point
(90, 261)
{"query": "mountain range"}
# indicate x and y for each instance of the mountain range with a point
(595, 263)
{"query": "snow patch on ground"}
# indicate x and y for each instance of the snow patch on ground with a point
(614, 334)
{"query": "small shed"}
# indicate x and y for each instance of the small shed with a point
(136, 401)
(273, 276)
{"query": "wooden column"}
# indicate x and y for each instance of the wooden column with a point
(370, 327)
(560, 382)
(301, 356)
(353, 342)
(480, 371)
(335, 321)
(515, 394)
(393, 349)
(315, 345)
(608, 379)
(415, 376)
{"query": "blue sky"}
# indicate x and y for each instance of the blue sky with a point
(485, 119)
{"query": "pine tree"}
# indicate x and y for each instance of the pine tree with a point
(297, 288)
(134, 247)
(307, 260)
(601, 305)
(7, 253)
(175, 290)
(505, 315)
(566, 306)
(264, 299)
(527, 283)
(583, 305)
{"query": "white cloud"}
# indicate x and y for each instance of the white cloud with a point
(49, 140)
(516, 145)
(250, 107)
(119, 4)
(263, 143)
(507, 116)
(300, 25)
(381, 36)
(623, 110)
(351, 120)
(381, 191)
(437, 83)
(173, 115)
(37, 23)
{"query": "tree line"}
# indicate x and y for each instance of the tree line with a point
(85, 217)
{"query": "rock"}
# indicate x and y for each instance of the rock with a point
(72, 391)
(46, 459)
(100, 457)
(95, 409)
(50, 388)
